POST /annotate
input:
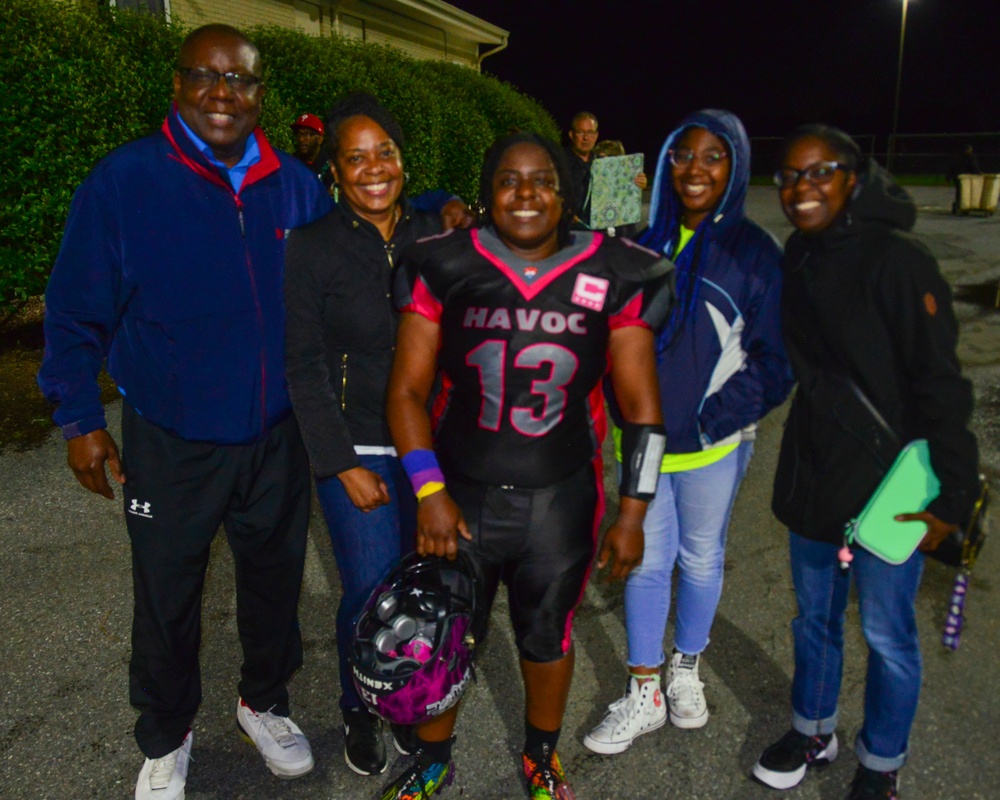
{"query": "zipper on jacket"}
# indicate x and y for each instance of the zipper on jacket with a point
(260, 315)
(343, 382)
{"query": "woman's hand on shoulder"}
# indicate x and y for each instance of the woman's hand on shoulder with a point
(439, 524)
(456, 214)
(365, 488)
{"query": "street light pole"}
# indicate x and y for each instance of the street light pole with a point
(899, 81)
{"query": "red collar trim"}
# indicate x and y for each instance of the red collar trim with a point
(268, 158)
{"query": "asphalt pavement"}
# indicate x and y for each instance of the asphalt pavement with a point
(65, 608)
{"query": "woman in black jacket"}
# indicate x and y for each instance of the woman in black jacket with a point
(340, 338)
(865, 311)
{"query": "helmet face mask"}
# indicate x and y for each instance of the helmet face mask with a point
(412, 651)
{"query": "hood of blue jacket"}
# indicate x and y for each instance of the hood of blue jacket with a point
(665, 206)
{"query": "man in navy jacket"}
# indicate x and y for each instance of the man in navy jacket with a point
(171, 270)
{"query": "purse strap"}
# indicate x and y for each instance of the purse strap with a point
(868, 404)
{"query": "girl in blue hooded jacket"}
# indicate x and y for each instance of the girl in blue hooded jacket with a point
(722, 367)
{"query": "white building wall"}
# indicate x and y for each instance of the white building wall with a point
(356, 19)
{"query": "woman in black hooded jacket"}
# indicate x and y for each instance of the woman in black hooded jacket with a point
(865, 311)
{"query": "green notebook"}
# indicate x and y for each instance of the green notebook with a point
(907, 488)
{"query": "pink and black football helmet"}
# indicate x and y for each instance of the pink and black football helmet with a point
(412, 652)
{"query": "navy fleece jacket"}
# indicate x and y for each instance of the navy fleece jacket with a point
(177, 281)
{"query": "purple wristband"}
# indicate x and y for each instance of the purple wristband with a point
(422, 467)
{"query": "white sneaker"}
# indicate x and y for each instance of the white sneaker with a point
(284, 747)
(685, 697)
(164, 778)
(640, 711)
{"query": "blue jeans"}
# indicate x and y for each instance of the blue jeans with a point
(886, 596)
(366, 545)
(686, 527)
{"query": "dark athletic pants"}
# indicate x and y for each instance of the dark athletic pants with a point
(540, 543)
(177, 494)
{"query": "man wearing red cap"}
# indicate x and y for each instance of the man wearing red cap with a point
(308, 132)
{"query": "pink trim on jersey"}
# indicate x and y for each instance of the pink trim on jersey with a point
(598, 465)
(441, 235)
(441, 401)
(598, 417)
(635, 245)
(629, 315)
(424, 303)
(539, 387)
(529, 291)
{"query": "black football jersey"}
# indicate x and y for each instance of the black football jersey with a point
(524, 347)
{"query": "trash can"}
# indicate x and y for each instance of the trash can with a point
(971, 193)
(991, 193)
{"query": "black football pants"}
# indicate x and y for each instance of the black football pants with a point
(540, 543)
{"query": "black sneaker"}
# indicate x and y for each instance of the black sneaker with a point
(871, 785)
(784, 764)
(364, 750)
(404, 737)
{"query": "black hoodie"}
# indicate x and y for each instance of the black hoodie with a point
(863, 299)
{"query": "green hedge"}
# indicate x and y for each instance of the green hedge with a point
(76, 83)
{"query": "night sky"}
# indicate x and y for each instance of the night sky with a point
(641, 66)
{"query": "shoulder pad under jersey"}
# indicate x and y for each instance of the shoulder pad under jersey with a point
(633, 262)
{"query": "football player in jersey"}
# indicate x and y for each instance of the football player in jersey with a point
(524, 319)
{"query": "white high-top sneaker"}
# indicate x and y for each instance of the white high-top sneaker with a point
(685, 697)
(640, 711)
